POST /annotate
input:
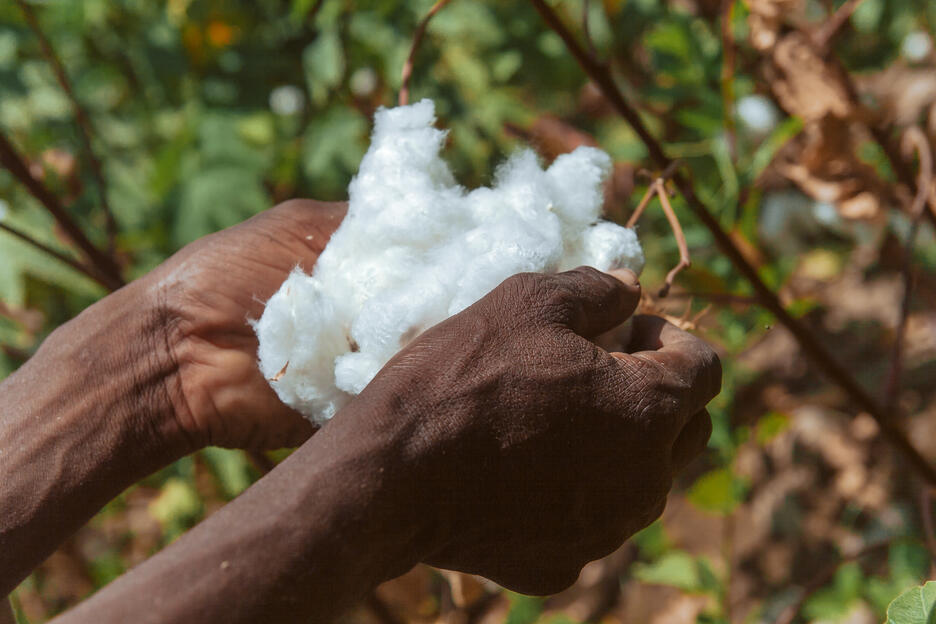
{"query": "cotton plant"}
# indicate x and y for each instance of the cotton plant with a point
(416, 248)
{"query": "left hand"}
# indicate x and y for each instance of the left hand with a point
(205, 295)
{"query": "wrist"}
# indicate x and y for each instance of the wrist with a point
(370, 443)
(87, 416)
(116, 352)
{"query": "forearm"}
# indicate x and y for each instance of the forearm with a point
(302, 544)
(83, 419)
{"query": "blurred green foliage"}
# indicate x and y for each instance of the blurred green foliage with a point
(208, 111)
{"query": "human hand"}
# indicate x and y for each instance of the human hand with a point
(530, 450)
(205, 295)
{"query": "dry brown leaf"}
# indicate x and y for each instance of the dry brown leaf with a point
(821, 161)
(766, 19)
(902, 94)
(804, 84)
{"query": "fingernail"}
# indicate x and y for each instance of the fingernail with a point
(626, 276)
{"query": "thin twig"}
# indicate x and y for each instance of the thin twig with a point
(644, 202)
(103, 264)
(81, 117)
(804, 336)
(417, 39)
(728, 298)
(313, 12)
(684, 261)
(586, 29)
(658, 188)
(926, 511)
(14, 353)
(913, 140)
(833, 25)
(261, 461)
(75, 264)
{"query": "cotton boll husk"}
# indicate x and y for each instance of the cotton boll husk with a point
(416, 248)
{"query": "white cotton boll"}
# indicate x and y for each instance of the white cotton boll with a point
(416, 248)
(610, 246)
(577, 182)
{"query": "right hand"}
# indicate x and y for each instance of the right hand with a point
(531, 450)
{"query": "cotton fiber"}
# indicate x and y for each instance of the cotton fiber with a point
(416, 248)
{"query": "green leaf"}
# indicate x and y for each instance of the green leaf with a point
(867, 16)
(836, 600)
(652, 541)
(323, 62)
(915, 606)
(770, 426)
(177, 507)
(231, 469)
(677, 568)
(215, 199)
(718, 491)
(333, 147)
(765, 153)
(524, 609)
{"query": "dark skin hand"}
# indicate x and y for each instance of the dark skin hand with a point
(501, 442)
(206, 292)
(157, 370)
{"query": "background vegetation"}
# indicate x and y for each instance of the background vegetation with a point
(787, 117)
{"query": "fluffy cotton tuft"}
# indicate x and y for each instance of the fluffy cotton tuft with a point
(416, 248)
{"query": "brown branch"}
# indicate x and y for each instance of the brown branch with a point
(81, 117)
(831, 27)
(658, 187)
(684, 261)
(644, 202)
(926, 511)
(586, 30)
(913, 140)
(103, 264)
(727, 77)
(822, 578)
(807, 341)
(14, 353)
(75, 264)
(261, 461)
(417, 39)
(725, 298)
(313, 12)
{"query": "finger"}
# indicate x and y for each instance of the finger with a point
(692, 440)
(691, 363)
(594, 302)
(673, 366)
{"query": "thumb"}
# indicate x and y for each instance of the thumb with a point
(596, 302)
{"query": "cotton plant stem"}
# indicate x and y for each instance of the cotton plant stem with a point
(805, 337)
(81, 119)
(831, 27)
(914, 140)
(644, 202)
(658, 188)
(727, 77)
(684, 261)
(417, 39)
(586, 28)
(103, 264)
(75, 264)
